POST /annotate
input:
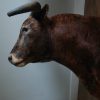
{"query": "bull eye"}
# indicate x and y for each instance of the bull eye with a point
(24, 29)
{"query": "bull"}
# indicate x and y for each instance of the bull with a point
(69, 39)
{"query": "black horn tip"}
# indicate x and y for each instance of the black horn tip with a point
(9, 14)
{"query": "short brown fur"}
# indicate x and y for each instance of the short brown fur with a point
(70, 39)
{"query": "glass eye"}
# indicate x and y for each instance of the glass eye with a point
(24, 29)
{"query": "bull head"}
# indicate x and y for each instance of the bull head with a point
(32, 44)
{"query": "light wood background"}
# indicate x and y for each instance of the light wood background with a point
(92, 8)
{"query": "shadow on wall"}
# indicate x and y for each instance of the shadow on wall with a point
(83, 93)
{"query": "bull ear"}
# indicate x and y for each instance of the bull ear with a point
(40, 15)
(45, 10)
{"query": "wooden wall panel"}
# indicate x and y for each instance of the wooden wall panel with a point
(92, 7)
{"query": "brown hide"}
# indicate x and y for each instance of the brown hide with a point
(70, 39)
(76, 44)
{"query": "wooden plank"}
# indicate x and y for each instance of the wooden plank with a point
(92, 7)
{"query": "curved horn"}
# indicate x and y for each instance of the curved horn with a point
(34, 7)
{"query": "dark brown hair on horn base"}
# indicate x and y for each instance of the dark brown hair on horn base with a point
(33, 7)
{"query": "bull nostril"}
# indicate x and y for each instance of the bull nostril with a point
(10, 58)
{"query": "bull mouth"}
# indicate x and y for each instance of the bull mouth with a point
(20, 64)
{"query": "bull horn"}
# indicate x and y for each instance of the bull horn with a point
(33, 6)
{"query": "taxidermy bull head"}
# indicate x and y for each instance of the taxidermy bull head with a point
(33, 43)
(70, 39)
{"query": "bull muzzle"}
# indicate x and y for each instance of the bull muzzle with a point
(16, 61)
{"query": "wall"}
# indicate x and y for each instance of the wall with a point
(79, 6)
(46, 81)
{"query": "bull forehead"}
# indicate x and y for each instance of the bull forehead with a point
(30, 22)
